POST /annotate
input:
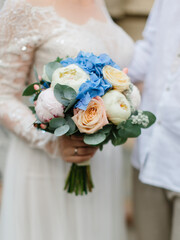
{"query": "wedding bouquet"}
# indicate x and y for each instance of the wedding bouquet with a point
(88, 96)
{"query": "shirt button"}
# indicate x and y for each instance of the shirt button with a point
(159, 122)
(168, 89)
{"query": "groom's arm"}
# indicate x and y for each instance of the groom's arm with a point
(144, 48)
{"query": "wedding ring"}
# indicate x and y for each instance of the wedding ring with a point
(75, 151)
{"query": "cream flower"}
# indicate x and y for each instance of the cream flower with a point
(117, 107)
(117, 78)
(72, 76)
(93, 118)
(47, 107)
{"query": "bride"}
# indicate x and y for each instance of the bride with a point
(35, 207)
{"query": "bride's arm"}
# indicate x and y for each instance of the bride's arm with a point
(19, 38)
(143, 48)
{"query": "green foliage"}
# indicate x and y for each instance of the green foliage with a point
(129, 130)
(29, 91)
(50, 68)
(58, 59)
(60, 131)
(70, 105)
(94, 139)
(57, 122)
(64, 94)
(71, 124)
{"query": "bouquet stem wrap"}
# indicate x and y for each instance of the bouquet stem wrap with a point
(79, 179)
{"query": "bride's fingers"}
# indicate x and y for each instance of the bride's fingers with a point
(79, 151)
(74, 137)
(77, 159)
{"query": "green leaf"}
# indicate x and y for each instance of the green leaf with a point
(32, 108)
(58, 59)
(51, 67)
(129, 130)
(57, 122)
(106, 129)
(61, 130)
(30, 89)
(64, 94)
(94, 139)
(72, 125)
(151, 117)
(36, 74)
(118, 141)
(71, 104)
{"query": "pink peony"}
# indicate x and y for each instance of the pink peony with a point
(47, 107)
(93, 118)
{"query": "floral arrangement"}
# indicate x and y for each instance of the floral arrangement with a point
(89, 96)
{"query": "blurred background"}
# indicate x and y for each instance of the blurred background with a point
(131, 15)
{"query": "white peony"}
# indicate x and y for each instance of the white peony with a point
(117, 107)
(47, 107)
(72, 76)
(119, 80)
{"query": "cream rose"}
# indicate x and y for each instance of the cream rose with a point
(47, 107)
(72, 76)
(119, 80)
(93, 118)
(117, 106)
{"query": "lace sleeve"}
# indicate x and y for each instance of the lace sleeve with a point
(19, 37)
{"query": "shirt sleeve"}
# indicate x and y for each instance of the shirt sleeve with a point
(144, 48)
(19, 38)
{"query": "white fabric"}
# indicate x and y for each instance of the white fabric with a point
(157, 62)
(35, 207)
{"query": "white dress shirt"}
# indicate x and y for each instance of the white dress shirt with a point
(156, 61)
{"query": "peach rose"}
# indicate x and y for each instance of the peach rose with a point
(93, 118)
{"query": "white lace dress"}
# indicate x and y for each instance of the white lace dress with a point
(34, 206)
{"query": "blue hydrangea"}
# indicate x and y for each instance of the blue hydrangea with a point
(93, 65)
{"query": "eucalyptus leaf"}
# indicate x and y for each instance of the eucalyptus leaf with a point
(94, 139)
(70, 105)
(30, 89)
(129, 131)
(50, 68)
(72, 125)
(106, 129)
(61, 130)
(57, 122)
(118, 141)
(64, 94)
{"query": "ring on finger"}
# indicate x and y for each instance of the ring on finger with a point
(76, 151)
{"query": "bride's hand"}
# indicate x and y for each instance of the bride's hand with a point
(74, 150)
